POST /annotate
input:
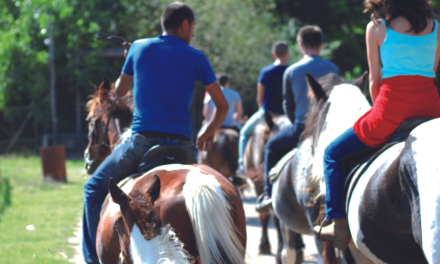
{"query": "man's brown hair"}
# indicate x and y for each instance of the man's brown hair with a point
(174, 15)
(310, 37)
(280, 48)
(223, 79)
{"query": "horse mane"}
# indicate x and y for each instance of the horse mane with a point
(330, 116)
(100, 102)
(318, 109)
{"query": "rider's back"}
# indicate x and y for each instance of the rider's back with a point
(405, 54)
(164, 70)
(296, 90)
(233, 98)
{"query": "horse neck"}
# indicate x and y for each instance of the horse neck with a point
(163, 248)
(341, 115)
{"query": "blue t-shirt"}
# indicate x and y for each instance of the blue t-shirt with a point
(232, 97)
(295, 89)
(164, 71)
(271, 76)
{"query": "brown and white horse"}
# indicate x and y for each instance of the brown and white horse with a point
(394, 209)
(173, 214)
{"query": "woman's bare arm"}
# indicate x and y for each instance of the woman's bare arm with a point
(375, 34)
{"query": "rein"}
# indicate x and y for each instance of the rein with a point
(105, 130)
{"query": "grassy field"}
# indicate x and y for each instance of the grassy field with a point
(52, 208)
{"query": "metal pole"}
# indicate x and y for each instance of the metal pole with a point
(53, 109)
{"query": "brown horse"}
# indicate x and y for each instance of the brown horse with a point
(175, 214)
(223, 155)
(107, 121)
(195, 211)
(254, 169)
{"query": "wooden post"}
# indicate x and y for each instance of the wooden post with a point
(53, 109)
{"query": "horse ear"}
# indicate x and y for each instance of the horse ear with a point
(118, 195)
(316, 87)
(269, 119)
(362, 82)
(106, 84)
(154, 189)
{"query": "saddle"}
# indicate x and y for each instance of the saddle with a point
(163, 155)
(400, 135)
(159, 155)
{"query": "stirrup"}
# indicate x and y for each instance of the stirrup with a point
(318, 236)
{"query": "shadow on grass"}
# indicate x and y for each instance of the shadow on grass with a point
(5, 194)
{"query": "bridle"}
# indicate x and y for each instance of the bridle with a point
(101, 142)
(105, 130)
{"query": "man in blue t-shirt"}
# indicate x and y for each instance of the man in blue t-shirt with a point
(295, 103)
(162, 72)
(234, 101)
(269, 95)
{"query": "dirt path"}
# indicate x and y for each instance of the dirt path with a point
(253, 238)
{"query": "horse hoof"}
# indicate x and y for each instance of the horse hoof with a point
(264, 249)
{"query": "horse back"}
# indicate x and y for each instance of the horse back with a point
(170, 207)
(382, 212)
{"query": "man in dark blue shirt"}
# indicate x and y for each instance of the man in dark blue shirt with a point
(296, 101)
(269, 95)
(162, 72)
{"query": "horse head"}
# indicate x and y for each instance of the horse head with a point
(107, 120)
(142, 236)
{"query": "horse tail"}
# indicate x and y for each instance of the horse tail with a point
(209, 211)
(224, 151)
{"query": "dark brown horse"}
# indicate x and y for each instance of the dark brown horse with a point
(254, 169)
(223, 155)
(108, 119)
(174, 214)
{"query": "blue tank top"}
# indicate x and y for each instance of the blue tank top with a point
(408, 55)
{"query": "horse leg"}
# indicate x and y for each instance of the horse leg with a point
(277, 224)
(264, 247)
(328, 253)
(292, 247)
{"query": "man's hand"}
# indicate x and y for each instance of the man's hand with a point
(126, 46)
(205, 138)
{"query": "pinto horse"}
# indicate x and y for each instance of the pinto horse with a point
(173, 214)
(185, 213)
(254, 168)
(393, 210)
(107, 121)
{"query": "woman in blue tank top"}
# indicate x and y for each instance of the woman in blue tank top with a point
(403, 54)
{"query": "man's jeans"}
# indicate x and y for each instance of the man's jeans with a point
(278, 146)
(122, 162)
(245, 134)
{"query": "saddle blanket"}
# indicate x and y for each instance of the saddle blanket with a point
(274, 173)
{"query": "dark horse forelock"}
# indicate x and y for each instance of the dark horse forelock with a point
(318, 108)
(144, 215)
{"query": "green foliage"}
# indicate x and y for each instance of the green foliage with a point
(54, 209)
(237, 37)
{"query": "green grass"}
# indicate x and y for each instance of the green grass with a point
(53, 208)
